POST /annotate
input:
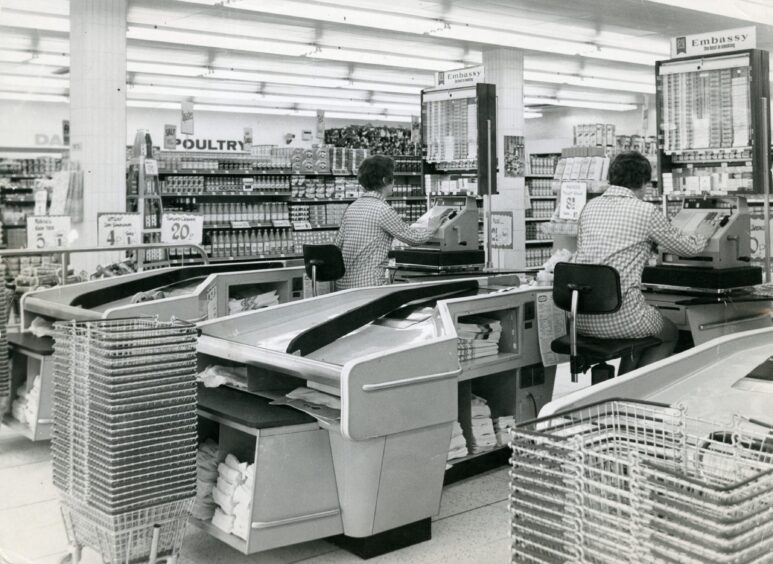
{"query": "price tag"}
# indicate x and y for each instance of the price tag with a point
(151, 167)
(301, 225)
(280, 223)
(41, 201)
(119, 229)
(247, 184)
(573, 197)
(240, 225)
(180, 227)
(47, 232)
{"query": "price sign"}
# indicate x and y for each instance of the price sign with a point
(119, 229)
(47, 232)
(151, 167)
(179, 227)
(301, 225)
(573, 197)
(240, 225)
(280, 223)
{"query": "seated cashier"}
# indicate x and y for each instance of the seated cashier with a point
(618, 229)
(369, 226)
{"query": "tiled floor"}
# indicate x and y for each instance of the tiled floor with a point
(471, 527)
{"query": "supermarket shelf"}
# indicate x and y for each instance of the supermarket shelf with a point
(408, 198)
(537, 219)
(489, 365)
(321, 200)
(543, 197)
(224, 172)
(23, 176)
(193, 260)
(241, 194)
(251, 225)
(539, 176)
(476, 464)
(408, 173)
(539, 241)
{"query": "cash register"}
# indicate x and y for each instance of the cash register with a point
(455, 243)
(710, 294)
(724, 264)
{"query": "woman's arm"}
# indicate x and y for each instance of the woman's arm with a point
(397, 228)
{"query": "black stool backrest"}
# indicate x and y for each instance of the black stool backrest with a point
(598, 285)
(327, 259)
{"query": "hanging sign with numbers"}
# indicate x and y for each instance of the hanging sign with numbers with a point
(48, 231)
(118, 229)
(573, 197)
(179, 227)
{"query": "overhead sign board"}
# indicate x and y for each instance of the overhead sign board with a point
(459, 77)
(714, 42)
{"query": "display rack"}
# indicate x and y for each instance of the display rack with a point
(543, 202)
(144, 197)
(264, 207)
(459, 144)
(714, 133)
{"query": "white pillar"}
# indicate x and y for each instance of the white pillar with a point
(98, 114)
(504, 68)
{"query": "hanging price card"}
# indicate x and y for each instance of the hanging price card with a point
(119, 229)
(573, 197)
(178, 227)
(47, 231)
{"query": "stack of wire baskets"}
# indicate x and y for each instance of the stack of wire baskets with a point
(5, 369)
(627, 481)
(124, 435)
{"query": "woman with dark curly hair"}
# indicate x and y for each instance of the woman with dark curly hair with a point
(370, 225)
(618, 229)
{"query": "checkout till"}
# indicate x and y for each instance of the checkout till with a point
(710, 295)
(453, 248)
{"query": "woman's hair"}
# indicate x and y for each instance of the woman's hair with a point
(630, 169)
(376, 172)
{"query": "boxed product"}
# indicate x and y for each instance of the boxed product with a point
(610, 137)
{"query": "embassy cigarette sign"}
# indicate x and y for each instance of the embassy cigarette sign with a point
(714, 42)
(459, 77)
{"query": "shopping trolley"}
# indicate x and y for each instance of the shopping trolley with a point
(124, 436)
(630, 481)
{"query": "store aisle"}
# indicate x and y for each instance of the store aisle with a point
(471, 528)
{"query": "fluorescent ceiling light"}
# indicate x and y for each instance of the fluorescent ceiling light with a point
(164, 69)
(530, 101)
(33, 81)
(55, 7)
(13, 56)
(532, 115)
(37, 22)
(27, 97)
(590, 82)
(757, 12)
(368, 117)
(430, 24)
(139, 89)
(217, 41)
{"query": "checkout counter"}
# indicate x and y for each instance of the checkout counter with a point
(367, 461)
(192, 293)
(710, 295)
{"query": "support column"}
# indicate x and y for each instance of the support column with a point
(504, 68)
(98, 115)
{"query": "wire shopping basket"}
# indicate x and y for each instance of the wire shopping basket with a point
(629, 481)
(124, 436)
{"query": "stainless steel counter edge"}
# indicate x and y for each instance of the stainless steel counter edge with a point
(321, 373)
